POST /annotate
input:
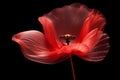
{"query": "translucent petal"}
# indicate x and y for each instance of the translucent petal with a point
(35, 47)
(49, 31)
(94, 20)
(68, 19)
(99, 51)
(33, 40)
(90, 40)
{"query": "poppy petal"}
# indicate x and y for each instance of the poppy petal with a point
(68, 19)
(49, 31)
(100, 50)
(32, 39)
(36, 48)
(90, 40)
(95, 20)
(45, 57)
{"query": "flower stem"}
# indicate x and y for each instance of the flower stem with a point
(73, 71)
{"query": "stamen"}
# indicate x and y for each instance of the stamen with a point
(67, 38)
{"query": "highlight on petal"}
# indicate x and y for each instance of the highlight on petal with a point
(35, 47)
(92, 38)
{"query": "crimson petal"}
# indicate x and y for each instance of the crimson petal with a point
(94, 20)
(68, 19)
(36, 48)
(100, 51)
(49, 31)
(94, 46)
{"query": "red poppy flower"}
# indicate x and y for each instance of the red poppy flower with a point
(71, 30)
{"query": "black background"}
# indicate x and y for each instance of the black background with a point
(21, 15)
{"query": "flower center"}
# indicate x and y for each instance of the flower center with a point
(67, 38)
